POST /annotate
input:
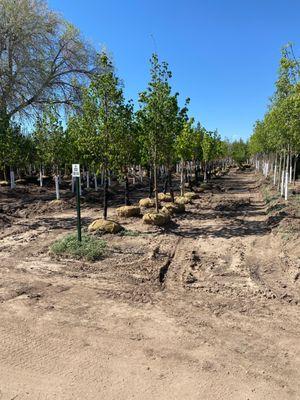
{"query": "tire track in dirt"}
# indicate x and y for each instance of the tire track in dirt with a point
(233, 266)
(179, 313)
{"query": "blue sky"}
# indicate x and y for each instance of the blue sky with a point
(223, 54)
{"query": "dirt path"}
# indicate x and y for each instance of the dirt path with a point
(206, 310)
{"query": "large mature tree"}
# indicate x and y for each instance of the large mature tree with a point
(43, 58)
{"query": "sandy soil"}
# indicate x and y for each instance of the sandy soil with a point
(207, 309)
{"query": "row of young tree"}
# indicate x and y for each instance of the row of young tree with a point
(275, 142)
(105, 135)
(52, 76)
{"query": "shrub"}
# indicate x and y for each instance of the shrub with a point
(90, 248)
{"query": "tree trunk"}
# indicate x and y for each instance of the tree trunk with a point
(127, 201)
(87, 179)
(166, 182)
(150, 182)
(182, 179)
(12, 179)
(105, 194)
(275, 171)
(95, 182)
(279, 172)
(56, 179)
(171, 184)
(295, 166)
(196, 174)
(155, 186)
(205, 172)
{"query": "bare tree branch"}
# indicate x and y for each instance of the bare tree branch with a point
(41, 56)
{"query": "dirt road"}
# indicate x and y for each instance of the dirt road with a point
(207, 309)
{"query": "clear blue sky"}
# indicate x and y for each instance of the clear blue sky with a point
(224, 54)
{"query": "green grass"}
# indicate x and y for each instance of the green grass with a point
(90, 248)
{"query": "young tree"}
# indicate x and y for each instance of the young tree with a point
(51, 146)
(239, 151)
(103, 127)
(15, 151)
(159, 119)
(278, 134)
(210, 150)
(186, 143)
(126, 145)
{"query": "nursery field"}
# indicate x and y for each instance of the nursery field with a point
(206, 308)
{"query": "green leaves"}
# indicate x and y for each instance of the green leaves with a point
(280, 127)
(210, 145)
(50, 139)
(16, 149)
(103, 132)
(160, 117)
(239, 151)
(187, 142)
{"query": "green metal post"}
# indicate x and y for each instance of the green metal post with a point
(78, 209)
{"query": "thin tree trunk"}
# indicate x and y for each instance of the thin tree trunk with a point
(41, 177)
(205, 172)
(282, 173)
(275, 171)
(171, 184)
(56, 179)
(127, 201)
(88, 179)
(182, 179)
(12, 179)
(196, 174)
(95, 182)
(287, 175)
(279, 171)
(291, 168)
(150, 182)
(105, 194)
(166, 182)
(155, 183)
(295, 166)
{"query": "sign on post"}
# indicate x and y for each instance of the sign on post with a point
(75, 170)
(76, 174)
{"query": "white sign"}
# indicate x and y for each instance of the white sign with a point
(75, 170)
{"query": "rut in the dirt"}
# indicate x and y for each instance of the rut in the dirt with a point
(163, 271)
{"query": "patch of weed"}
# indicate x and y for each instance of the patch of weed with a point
(90, 248)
